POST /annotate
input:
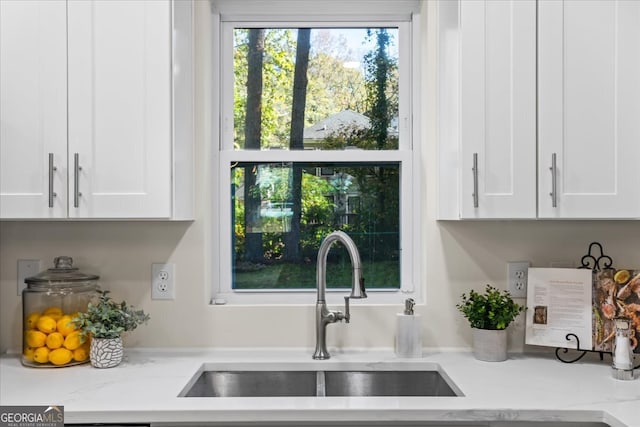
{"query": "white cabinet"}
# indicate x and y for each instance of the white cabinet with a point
(119, 60)
(515, 97)
(33, 109)
(487, 109)
(124, 153)
(589, 109)
(497, 109)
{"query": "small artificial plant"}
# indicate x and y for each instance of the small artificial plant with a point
(109, 319)
(489, 310)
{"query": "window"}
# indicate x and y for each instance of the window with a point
(315, 136)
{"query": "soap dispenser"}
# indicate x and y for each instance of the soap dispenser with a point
(408, 332)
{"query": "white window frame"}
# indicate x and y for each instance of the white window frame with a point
(229, 14)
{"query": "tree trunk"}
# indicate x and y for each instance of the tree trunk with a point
(252, 137)
(292, 238)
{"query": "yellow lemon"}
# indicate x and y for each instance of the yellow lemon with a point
(65, 326)
(41, 355)
(60, 356)
(73, 340)
(621, 276)
(46, 324)
(54, 312)
(81, 354)
(54, 340)
(28, 353)
(35, 339)
(31, 321)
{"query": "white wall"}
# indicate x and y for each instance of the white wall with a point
(458, 256)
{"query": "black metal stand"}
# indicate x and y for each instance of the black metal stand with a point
(565, 350)
(588, 261)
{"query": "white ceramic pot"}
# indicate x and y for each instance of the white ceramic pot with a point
(490, 345)
(106, 352)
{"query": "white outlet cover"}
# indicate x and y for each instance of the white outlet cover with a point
(163, 280)
(517, 275)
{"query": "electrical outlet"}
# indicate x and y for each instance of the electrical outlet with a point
(163, 279)
(26, 268)
(517, 275)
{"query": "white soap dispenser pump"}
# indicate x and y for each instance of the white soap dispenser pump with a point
(408, 332)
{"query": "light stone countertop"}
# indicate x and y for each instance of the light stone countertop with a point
(145, 388)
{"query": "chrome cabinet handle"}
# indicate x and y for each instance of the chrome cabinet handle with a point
(475, 180)
(76, 180)
(554, 182)
(52, 169)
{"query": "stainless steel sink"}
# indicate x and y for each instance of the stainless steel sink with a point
(386, 383)
(301, 383)
(253, 384)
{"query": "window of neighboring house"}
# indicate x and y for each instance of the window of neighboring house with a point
(316, 136)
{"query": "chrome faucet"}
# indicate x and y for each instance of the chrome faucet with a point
(323, 315)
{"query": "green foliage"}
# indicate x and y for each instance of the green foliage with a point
(491, 310)
(382, 101)
(331, 87)
(380, 274)
(108, 319)
(317, 211)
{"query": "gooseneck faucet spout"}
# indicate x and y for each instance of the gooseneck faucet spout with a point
(323, 315)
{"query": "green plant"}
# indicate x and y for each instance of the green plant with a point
(489, 310)
(109, 319)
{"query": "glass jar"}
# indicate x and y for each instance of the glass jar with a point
(49, 302)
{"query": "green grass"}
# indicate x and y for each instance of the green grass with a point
(381, 274)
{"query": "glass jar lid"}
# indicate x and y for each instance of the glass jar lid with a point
(62, 272)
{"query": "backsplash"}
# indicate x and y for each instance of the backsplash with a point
(458, 256)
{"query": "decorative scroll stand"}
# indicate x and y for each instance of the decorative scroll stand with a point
(594, 263)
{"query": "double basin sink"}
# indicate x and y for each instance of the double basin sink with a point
(341, 380)
(292, 382)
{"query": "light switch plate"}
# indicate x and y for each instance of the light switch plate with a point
(26, 268)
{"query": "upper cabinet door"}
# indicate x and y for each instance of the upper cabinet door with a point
(120, 77)
(589, 109)
(33, 109)
(498, 109)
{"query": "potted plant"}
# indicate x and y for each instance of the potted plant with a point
(489, 314)
(104, 323)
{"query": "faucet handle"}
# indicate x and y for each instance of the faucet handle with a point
(347, 315)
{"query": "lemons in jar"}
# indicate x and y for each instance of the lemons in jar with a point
(28, 353)
(65, 326)
(41, 355)
(81, 354)
(54, 312)
(73, 340)
(32, 320)
(35, 338)
(46, 324)
(54, 340)
(60, 356)
(52, 337)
